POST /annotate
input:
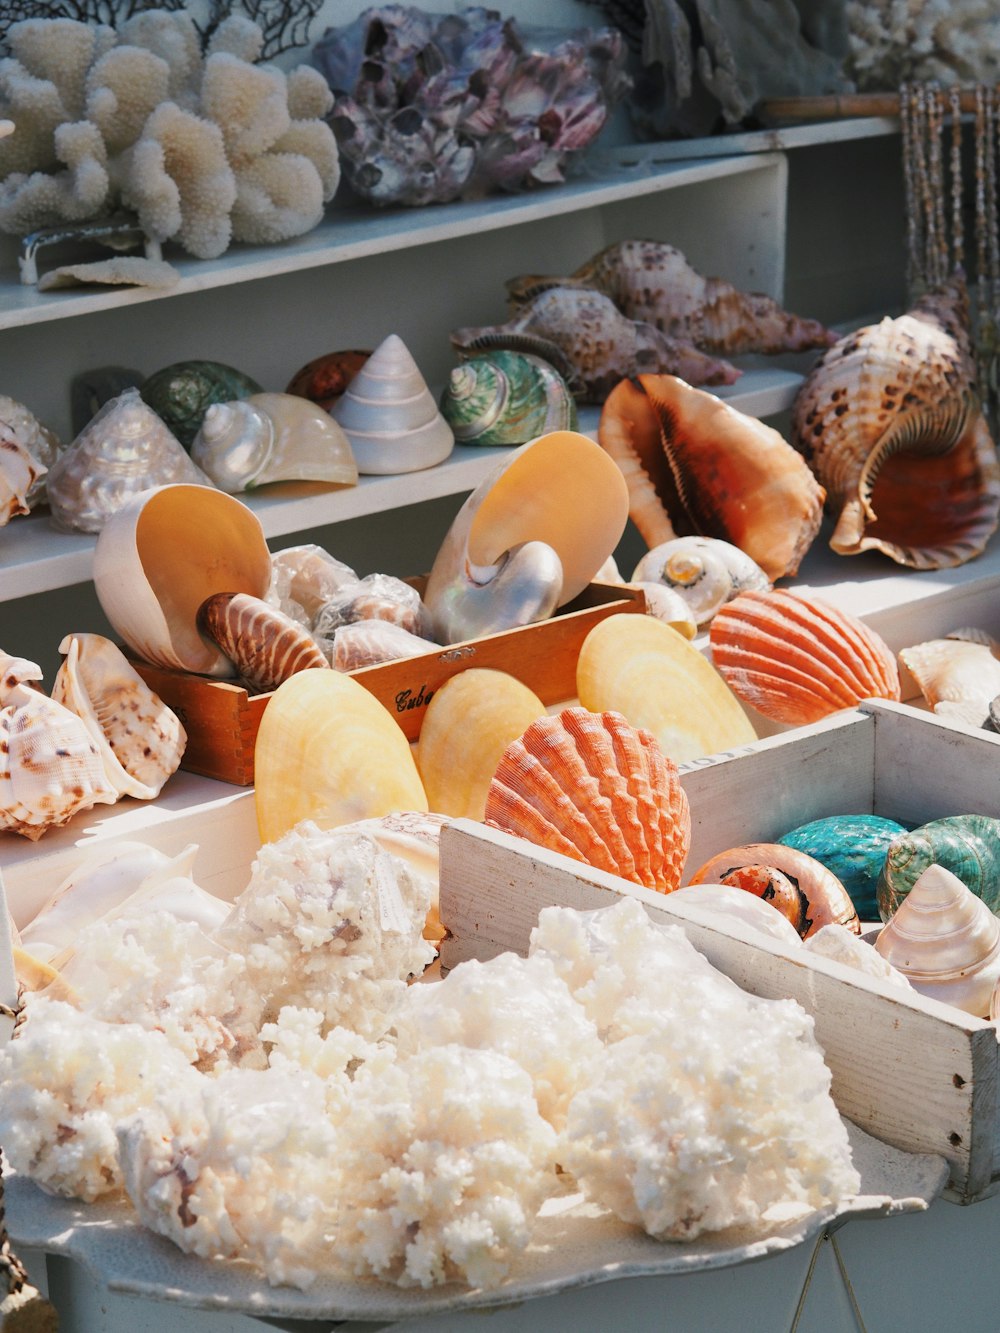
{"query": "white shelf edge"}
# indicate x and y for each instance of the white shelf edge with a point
(778, 138)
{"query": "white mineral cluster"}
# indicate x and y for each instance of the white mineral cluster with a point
(954, 41)
(204, 149)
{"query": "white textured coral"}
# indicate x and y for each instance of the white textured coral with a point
(954, 41)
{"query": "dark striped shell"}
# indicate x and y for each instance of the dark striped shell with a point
(263, 644)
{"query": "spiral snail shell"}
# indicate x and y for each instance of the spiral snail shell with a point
(705, 571)
(506, 398)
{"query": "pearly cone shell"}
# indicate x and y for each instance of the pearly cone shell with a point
(161, 555)
(560, 491)
(945, 941)
(390, 416)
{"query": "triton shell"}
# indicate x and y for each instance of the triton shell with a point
(182, 393)
(123, 451)
(704, 571)
(506, 398)
(695, 465)
(162, 555)
(662, 683)
(469, 723)
(272, 437)
(592, 344)
(325, 378)
(390, 416)
(651, 281)
(958, 676)
(140, 739)
(596, 789)
(967, 845)
(853, 848)
(529, 538)
(821, 898)
(263, 644)
(328, 751)
(889, 421)
(795, 659)
(945, 941)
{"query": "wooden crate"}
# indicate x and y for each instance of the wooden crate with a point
(914, 1072)
(222, 718)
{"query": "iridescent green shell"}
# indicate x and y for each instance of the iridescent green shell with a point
(852, 847)
(967, 845)
(506, 398)
(181, 394)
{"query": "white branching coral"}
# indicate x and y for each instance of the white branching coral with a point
(954, 41)
(204, 149)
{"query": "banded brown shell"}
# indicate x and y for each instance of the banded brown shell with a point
(598, 790)
(264, 644)
(796, 659)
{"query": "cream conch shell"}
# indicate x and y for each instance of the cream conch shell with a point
(161, 555)
(272, 437)
(529, 538)
(140, 739)
(390, 416)
(959, 675)
(704, 571)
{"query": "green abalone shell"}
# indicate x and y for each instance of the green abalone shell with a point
(182, 393)
(967, 845)
(506, 398)
(852, 847)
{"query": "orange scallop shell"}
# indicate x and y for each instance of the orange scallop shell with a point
(596, 789)
(796, 659)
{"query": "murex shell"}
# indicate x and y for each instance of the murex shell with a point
(389, 415)
(272, 437)
(181, 394)
(958, 676)
(263, 644)
(592, 344)
(808, 894)
(705, 572)
(506, 398)
(795, 659)
(598, 790)
(967, 845)
(693, 464)
(653, 282)
(945, 941)
(124, 450)
(889, 421)
(853, 848)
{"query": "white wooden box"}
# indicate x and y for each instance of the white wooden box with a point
(916, 1073)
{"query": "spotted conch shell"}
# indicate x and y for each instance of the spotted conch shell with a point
(50, 766)
(889, 421)
(795, 659)
(693, 464)
(596, 789)
(592, 344)
(140, 739)
(264, 644)
(653, 282)
(958, 676)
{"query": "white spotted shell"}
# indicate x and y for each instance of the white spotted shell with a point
(705, 572)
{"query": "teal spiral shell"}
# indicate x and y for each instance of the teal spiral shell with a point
(506, 398)
(967, 845)
(852, 847)
(181, 394)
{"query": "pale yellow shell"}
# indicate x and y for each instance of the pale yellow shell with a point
(641, 668)
(328, 751)
(469, 722)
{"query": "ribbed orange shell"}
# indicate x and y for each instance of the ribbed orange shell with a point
(264, 644)
(593, 787)
(796, 659)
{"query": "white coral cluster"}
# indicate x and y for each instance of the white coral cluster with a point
(954, 41)
(206, 150)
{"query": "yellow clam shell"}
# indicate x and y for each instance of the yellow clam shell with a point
(469, 722)
(647, 671)
(328, 751)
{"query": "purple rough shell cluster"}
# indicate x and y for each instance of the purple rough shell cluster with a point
(434, 107)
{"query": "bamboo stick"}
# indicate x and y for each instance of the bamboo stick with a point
(843, 106)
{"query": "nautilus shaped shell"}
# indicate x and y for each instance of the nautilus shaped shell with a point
(596, 789)
(945, 941)
(853, 848)
(796, 659)
(263, 644)
(161, 555)
(469, 723)
(124, 450)
(272, 437)
(506, 398)
(328, 751)
(889, 421)
(796, 884)
(704, 571)
(592, 344)
(140, 739)
(529, 538)
(958, 676)
(21, 425)
(967, 845)
(653, 282)
(390, 416)
(693, 464)
(662, 683)
(325, 378)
